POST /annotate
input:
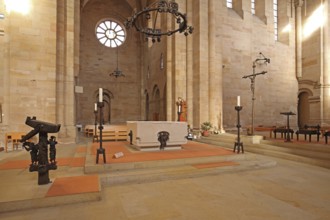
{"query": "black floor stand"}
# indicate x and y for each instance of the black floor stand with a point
(238, 145)
(100, 150)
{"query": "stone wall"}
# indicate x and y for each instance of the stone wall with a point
(28, 66)
(242, 38)
(98, 61)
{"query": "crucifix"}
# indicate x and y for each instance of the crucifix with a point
(252, 77)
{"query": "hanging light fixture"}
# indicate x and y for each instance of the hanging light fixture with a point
(117, 73)
(146, 22)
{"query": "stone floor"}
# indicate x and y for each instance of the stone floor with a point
(289, 190)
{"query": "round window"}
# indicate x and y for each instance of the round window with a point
(110, 33)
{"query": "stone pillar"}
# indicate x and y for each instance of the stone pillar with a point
(170, 106)
(4, 68)
(326, 66)
(180, 61)
(190, 78)
(201, 62)
(215, 67)
(66, 68)
(4, 75)
(299, 30)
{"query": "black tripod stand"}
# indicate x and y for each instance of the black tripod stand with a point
(238, 144)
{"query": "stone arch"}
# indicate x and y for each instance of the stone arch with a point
(304, 107)
(146, 105)
(164, 104)
(107, 97)
(155, 103)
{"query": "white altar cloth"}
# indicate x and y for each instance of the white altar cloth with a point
(145, 134)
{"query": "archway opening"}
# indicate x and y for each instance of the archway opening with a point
(303, 109)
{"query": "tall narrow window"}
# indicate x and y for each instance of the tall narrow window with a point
(229, 3)
(253, 7)
(275, 20)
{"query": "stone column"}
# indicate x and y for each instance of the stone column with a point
(201, 63)
(170, 107)
(180, 61)
(190, 78)
(65, 68)
(299, 30)
(215, 67)
(4, 76)
(326, 66)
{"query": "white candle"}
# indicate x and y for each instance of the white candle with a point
(238, 101)
(100, 95)
(95, 107)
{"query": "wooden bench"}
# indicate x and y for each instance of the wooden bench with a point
(266, 128)
(282, 130)
(14, 138)
(309, 130)
(113, 133)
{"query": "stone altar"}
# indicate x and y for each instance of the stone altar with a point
(145, 134)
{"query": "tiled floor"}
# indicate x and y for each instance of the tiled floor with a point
(287, 191)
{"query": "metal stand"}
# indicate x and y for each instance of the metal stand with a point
(95, 137)
(252, 77)
(238, 144)
(100, 150)
(287, 138)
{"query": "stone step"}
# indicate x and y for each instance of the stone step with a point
(91, 167)
(311, 153)
(298, 145)
(138, 176)
(289, 156)
(225, 137)
(225, 144)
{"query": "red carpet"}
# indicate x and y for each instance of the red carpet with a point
(74, 185)
(15, 164)
(81, 150)
(189, 150)
(78, 162)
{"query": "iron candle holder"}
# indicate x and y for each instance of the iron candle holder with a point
(100, 150)
(238, 144)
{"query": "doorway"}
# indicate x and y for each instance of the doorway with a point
(303, 109)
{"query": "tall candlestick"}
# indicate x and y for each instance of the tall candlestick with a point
(100, 95)
(95, 107)
(238, 101)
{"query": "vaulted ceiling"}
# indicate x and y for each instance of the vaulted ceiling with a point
(135, 4)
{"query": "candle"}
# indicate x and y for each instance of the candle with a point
(100, 95)
(95, 107)
(238, 101)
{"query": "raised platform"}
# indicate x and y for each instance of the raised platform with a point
(79, 179)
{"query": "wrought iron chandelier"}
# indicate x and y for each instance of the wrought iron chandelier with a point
(146, 20)
(117, 73)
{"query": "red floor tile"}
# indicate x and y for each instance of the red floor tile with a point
(74, 185)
